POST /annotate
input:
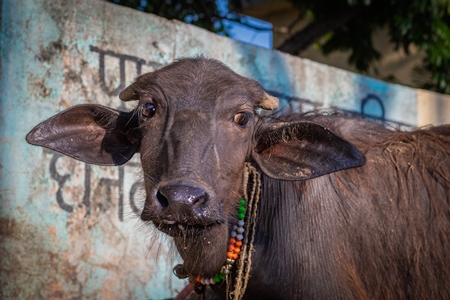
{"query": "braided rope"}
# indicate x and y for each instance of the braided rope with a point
(245, 258)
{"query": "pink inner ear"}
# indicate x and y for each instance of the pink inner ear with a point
(286, 154)
(284, 162)
(285, 149)
(275, 151)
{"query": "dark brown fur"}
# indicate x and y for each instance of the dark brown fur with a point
(381, 231)
(348, 208)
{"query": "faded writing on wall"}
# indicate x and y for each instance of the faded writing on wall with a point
(61, 178)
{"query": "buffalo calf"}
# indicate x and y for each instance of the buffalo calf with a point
(339, 207)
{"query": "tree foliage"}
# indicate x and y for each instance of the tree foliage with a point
(350, 24)
(202, 13)
(342, 25)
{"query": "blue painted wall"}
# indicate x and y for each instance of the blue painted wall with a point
(70, 230)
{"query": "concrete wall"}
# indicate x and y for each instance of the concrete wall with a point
(69, 230)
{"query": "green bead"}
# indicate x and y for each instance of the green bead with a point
(241, 209)
(222, 276)
(241, 216)
(242, 202)
(217, 278)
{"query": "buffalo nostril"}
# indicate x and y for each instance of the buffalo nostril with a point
(180, 196)
(198, 200)
(162, 199)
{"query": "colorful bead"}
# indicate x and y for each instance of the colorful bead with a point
(233, 248)
(230, 261)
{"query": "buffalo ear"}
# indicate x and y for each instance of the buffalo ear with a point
(303, 150)
(91, 133)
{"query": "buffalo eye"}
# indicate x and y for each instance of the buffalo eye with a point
(148, 110)
(241, 119)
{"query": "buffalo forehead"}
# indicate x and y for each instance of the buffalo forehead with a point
(200, 85)
(210, 91)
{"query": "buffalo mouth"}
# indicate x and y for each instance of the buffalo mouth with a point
(180, 229)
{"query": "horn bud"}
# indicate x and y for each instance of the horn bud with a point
(268, 102)
(128, 94)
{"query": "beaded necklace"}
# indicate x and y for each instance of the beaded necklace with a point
(240, 247)
(234, 248)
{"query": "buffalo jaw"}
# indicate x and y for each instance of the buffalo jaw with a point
(204, 253)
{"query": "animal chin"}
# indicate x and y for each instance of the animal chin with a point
(202, 249)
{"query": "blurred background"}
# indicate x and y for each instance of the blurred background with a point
(398, 41)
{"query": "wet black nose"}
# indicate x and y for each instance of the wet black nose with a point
(181, 199)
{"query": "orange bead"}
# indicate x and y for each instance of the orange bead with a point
(235, 256)
(199, 279)
(231, 248)
(230, 255)
(238, 243)
(237, 249)
(232, 241)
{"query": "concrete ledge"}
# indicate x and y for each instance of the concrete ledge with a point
(433, 108)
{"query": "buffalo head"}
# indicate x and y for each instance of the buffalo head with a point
(195, 125)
